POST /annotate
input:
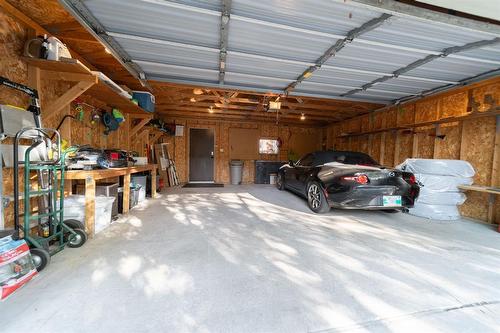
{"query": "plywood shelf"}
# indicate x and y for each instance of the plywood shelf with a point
(66, 65)
(100, 90)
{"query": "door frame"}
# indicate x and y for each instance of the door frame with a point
(188, 155)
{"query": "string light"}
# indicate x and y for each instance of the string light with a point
(302, 116)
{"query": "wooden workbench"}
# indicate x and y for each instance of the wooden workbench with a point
(90, 177)
(492, 191)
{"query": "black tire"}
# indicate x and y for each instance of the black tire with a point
(74, 224)
(79, 239)
(391, 211)
(41, 258)
(316, 199)
(280, 182)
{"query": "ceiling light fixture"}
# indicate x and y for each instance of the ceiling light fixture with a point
(210, 110)
(107, 50)
(197, 91)
(302, 116)
(274, 105)
(192, 99)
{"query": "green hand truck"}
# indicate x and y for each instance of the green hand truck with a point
(52, 232)
(45, 231)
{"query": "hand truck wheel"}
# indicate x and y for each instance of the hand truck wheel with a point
(77, 240)
(41, 258)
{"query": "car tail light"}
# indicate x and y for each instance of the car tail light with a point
(360, 179)
(411, 179)
(114, 156)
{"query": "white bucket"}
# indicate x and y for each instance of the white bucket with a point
(272, 178)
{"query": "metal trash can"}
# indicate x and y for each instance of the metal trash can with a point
(236, 167)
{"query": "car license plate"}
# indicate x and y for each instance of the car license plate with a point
(391, 200)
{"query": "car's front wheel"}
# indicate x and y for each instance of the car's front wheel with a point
(316, 198)
(280, 182)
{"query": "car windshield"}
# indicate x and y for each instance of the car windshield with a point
(346, 158)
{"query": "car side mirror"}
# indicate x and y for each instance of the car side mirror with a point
(291, 163)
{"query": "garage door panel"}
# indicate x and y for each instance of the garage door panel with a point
(322, 16)
(175, 55)
(313, 87)
(263, 66)
(451, 69)
(260, 82)
(422, 35)
(280, 43)
(179, 72)
(157, 21)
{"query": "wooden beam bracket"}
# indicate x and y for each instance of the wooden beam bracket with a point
(78, 89)
(138, 127)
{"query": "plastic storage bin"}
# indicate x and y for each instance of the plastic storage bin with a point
(146, 100)
(106, 189)
(132, 201)
(74, 208)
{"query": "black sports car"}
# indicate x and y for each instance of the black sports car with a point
(344, 179)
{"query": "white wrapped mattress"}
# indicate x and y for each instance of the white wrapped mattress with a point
(440, 198)
(441, 183)
(455, 168)
(436, 212)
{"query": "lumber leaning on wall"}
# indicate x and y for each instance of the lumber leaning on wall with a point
(471, 139)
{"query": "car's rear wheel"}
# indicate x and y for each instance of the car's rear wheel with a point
(316, 198)
(280, 182)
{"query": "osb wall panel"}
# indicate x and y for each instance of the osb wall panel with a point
(478, 150)
(406, 115)
(363, 144)
(390, 144)
(482, 94)
(449, 146)
(454, 105)
(375, 147)
(405, 147)
(426, 138)
(391, 117)
(426, 110)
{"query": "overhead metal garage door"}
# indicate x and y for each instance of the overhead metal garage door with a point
(361, 50)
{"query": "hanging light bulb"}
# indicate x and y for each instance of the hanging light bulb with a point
(210, 110)
(197, 91)
(193, 99)
(302, 116)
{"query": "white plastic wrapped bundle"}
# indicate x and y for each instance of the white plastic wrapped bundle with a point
(436, 212)
(441, 183)
(440, 198)
(455, 168)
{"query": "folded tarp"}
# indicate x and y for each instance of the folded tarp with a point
(455, 168)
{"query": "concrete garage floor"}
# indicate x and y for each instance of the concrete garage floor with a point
(252, 259)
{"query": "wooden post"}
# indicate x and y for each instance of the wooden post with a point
(382, 147)
(90, 205)
(414, 151)
(437, 132)
(495, 172)
(397, 148)
(126, 193)
(153, 183)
